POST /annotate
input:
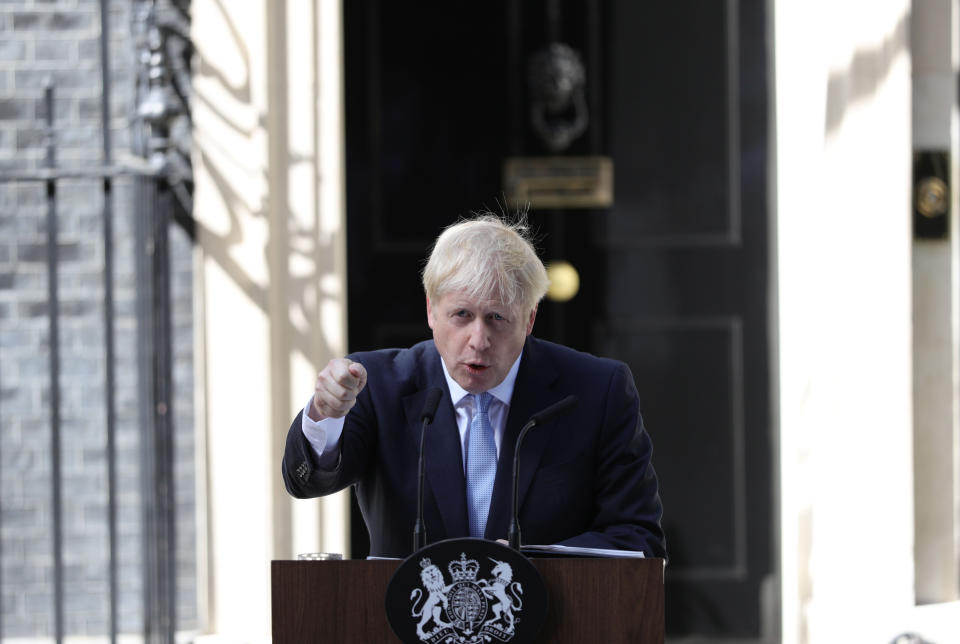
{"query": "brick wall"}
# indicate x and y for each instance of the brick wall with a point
(59, 40)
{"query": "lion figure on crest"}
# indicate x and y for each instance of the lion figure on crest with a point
(436, 601)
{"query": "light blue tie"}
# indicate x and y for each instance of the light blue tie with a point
(481, 464)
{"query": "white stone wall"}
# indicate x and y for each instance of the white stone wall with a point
(269, 205)
(845, 323)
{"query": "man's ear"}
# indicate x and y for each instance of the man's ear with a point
(429, 313)
(533, 316)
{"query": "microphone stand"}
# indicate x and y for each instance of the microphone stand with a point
(419, 529)
(513, 532)
(426, 416)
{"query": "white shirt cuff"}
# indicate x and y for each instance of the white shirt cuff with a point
(323, 436)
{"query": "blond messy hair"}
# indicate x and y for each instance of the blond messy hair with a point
(487, 258)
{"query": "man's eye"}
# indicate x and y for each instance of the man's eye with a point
(497, 316)
(461, 314)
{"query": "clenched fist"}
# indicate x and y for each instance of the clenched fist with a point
(338, 386)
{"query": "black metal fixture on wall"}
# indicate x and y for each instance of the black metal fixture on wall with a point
(558, 112)
(558, 104)
(931, 194)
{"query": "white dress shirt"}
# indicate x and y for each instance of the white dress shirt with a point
(324, 435)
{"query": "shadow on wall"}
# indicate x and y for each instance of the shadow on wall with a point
(866, 72)
(297, 256)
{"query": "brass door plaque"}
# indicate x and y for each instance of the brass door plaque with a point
(558, 182)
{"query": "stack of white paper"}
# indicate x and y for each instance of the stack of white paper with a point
(582, 552)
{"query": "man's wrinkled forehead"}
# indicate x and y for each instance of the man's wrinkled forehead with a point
(465, 300)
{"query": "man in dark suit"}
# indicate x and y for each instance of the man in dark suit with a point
(585, 476)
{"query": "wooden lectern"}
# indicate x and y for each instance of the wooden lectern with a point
(591, 600)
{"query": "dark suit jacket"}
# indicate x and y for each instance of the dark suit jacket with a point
(585, 477)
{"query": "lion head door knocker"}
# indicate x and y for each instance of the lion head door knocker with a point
(558, 109)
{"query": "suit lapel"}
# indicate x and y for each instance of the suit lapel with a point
(532, 392)
(442, 454)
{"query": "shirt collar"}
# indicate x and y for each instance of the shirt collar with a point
(502, 392)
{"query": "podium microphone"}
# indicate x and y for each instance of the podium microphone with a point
(548, 414)
(426, 417)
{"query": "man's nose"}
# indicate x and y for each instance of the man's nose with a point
(479, 339)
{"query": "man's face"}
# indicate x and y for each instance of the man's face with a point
(479, 340)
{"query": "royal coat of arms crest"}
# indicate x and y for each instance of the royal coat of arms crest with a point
(466, 591)
(466, 610)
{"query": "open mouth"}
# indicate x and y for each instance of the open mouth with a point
(476, 367)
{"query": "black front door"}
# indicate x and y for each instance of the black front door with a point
(673, 274)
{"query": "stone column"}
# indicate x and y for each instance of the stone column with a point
(934, 34)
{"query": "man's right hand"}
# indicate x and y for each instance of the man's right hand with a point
(338, 386)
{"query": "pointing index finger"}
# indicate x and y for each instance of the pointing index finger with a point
(360, 373)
